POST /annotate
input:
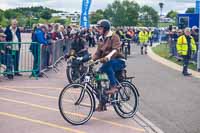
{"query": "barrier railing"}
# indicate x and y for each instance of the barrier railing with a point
(32, 57)
(17, 58)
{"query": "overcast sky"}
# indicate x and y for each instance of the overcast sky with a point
(75, 5)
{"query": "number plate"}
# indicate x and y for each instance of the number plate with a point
(87, 79)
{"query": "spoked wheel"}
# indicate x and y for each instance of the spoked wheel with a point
(127, 100)
(72, 75)
(76, 104)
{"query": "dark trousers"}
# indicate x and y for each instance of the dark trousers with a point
(6, 59)
(185, 63)
(91, 42)
(129, 46)
(151, 41)
(16, 60)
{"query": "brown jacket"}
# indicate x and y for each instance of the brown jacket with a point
(106, 45)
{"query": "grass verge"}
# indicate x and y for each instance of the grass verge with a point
(163, 51)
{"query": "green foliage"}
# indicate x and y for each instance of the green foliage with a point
(1, 15)
(45, 15)
(4, 22)
(163, 51)
(94, 18)
(172, 14)
(149, 16)
(127, 13)
(26, 16)
(61, 21)
(190, 10)
(161, 24)
(123, 13)
(42, 21)
(9, 14)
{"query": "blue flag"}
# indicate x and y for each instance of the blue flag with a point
(85, 14)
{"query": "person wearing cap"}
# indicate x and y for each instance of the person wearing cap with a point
(79, 46)
(194, 33)
(6, 56)
(186, 46)
(13, 34)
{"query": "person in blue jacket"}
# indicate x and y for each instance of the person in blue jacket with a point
(38, 36)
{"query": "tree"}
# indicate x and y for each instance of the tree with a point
(96, 16)
(45, 15)
(1, 15)
(149, 17)
(190, 10)
(161, 7)
(9, 14)
(172, 14)
(123, 13)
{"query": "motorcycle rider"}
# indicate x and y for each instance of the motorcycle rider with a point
(108, 52)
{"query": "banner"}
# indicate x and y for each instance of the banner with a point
(197, 6)
(85, 13)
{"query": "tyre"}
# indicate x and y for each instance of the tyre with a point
(73, 75)
(69, 74)
(127, 100)
(76, 104)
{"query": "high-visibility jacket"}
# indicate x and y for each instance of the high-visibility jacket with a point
(182, 46)
(150, 34)
(122, 35)
(143, 37)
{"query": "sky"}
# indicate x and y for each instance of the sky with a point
(75, 5)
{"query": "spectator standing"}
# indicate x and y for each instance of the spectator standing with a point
(5, 56)
(143, 39)
(186, 47)
(49, 41)
(150, 37)
(38, 36)
(13, 34)
(195, 35)
(174, 38)
(55, 32)
(61, 32)
(91, 38)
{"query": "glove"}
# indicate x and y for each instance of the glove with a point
(104, 60)
(80, 58)
(72, 53)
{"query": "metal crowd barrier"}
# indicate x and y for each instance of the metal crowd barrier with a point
(53, 54)
(33, 59)
(18, 58)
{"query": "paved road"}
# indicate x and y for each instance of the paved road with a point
(169, 100)
(29, 105)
